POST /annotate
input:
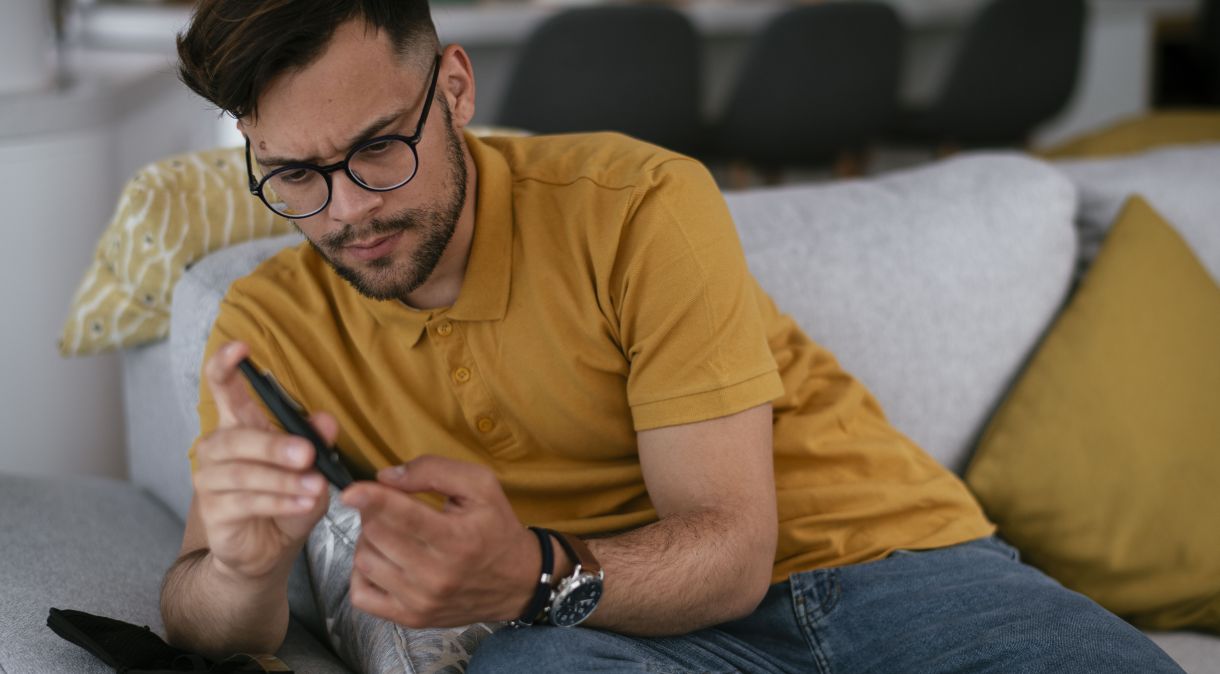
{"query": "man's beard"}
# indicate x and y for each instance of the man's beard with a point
(386, 281)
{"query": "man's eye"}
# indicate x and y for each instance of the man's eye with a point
(295, 176)
(379, 147)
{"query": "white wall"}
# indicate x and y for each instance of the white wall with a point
(58, 416)
(59, 183)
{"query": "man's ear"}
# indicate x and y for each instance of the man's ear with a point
(456, 84)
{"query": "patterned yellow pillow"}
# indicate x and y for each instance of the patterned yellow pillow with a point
(172, 213)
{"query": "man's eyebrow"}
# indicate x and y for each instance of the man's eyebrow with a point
(375, 127)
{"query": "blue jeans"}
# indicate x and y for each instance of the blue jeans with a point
(967, 608)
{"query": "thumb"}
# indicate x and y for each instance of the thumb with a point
(458, 480)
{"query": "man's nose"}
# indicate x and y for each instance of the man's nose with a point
(349, 202)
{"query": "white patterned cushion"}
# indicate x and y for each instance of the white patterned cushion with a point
(366, 643)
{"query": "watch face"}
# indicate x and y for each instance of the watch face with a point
(576, 601)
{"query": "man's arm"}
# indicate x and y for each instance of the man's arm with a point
(256, 499)
(709, 557)
(209, 611)
(707, 560)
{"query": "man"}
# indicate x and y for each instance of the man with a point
(558, 332)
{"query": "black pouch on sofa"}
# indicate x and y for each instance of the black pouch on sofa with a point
(131, 649)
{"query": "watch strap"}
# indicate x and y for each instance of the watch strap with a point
(542, 592)
(578, 552)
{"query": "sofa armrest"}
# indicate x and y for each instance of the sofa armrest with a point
(99, 546)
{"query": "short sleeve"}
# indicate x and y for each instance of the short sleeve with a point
(687, 305)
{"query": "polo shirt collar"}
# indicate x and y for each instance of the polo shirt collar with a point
(484, 295)
(485, 287)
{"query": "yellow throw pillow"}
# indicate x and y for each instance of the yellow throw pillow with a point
(172, 213)
(1103, 464)
(1139, 134)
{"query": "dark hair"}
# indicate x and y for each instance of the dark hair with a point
(233, 49)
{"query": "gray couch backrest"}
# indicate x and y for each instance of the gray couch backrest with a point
(931, 286)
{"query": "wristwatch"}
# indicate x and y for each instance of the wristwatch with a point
(576, 597)
(540, 603)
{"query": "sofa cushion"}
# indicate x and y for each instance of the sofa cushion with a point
(196, 302)
(159, 427)
(99, 546)
(1196, 653)
(1102, 465)
(930, 285)
(1180, 182)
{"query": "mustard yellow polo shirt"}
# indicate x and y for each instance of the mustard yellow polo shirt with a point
(606, 293)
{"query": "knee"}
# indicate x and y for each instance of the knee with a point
(543, 649)
(536, 649)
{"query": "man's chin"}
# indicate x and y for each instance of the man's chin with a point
(375, 279)
(378, 288)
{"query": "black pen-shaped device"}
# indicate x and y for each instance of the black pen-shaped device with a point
(326, 458)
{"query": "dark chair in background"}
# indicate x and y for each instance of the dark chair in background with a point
(630, 69)
(1015, 68)
(1209, 49)
(1187, 71)
(817, 86)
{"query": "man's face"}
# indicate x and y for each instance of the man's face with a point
(386, 244)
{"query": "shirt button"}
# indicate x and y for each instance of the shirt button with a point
(461, 375)
(444, 329)
(485, 424)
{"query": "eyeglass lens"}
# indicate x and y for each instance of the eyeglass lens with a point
(382, 165)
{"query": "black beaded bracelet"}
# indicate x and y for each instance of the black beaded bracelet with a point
(543, 592)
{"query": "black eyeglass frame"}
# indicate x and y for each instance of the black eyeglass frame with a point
(256, 186)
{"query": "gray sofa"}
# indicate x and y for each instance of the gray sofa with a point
(932, 285)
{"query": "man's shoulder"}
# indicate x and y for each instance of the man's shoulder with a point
(609, 159)
(289, 273)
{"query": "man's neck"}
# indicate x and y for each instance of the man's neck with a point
(445, 284)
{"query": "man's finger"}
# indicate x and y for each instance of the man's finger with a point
(371, 599)
(397, 541)
(459, 481)
(263, 446)
(379, 567)
(249, 476)
(231, 507)
(234, 404)
(326, 425)
(403, 512)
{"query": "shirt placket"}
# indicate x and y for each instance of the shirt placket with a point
(470, 389)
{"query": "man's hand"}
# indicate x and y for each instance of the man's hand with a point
(256, 493)
(471, 561)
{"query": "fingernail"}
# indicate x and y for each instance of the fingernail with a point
(313, 482)
(296, 452)
(393, 473)
(356, 499)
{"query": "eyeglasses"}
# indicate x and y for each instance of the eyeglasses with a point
(381, 164)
